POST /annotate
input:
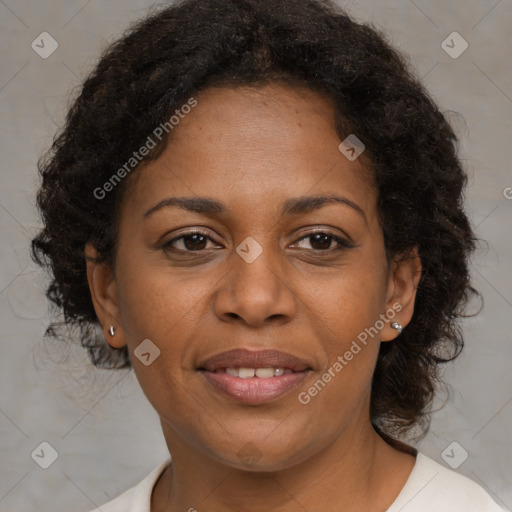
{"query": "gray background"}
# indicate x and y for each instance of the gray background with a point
(107, 436)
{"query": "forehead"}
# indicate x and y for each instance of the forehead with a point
(255, 145)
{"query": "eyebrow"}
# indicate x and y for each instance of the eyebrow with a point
(294, 206)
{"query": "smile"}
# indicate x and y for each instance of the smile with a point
(254, 377)
(247, 373)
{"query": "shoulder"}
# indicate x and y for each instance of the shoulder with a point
(432, 486)
(138, 497)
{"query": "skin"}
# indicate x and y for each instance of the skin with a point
(253, 149)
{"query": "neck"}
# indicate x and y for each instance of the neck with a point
(357, 472)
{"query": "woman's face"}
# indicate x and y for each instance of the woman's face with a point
(235, 272)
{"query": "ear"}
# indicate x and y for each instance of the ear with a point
(403, 280)
(103, 288)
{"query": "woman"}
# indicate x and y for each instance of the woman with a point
(262, 209)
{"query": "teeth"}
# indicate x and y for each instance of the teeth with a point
(247, 373)
(265, 372)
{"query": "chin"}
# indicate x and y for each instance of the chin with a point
(263, 457)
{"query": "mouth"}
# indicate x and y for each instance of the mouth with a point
(254, 377)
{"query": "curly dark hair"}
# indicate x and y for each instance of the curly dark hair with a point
(411, 150)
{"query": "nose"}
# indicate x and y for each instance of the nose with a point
(256, 292)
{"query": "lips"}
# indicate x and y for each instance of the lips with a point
(254, 376)
(243, 358)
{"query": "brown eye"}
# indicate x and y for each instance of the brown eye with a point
(322, 241)
(194, 241)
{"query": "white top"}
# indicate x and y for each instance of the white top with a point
(429, 488)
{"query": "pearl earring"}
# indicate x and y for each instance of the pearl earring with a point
(112, 331)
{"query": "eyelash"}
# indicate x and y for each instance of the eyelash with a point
(343, 244)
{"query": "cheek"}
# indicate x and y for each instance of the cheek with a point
(157, 302)
(346, 326)
(352, 299)
(347, 317)
(157, 305)
(166, 307)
